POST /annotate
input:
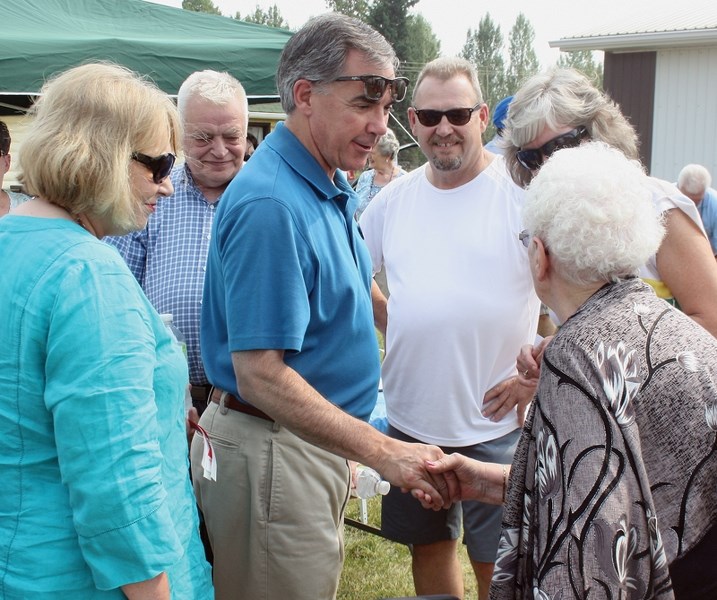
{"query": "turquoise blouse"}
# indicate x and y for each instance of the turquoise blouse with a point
(93, 450)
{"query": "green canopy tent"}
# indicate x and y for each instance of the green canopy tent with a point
(43, 37)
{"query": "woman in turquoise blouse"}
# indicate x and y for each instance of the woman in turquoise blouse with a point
(96, 498)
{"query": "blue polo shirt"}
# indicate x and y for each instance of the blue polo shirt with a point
(708, 212)
(288, 270)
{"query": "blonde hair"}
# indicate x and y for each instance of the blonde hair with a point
(88, 121)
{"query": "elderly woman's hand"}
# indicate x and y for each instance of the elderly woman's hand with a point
(504, 397)
(528, 363)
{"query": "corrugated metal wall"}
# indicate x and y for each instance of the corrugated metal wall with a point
(630, 81)
(685, 112)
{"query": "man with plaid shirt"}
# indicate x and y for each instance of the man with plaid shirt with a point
(169, 256)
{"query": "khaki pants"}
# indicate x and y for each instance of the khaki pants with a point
(275, 514)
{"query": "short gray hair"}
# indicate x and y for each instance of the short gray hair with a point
(388, 145)
(694, 179)
(318, 51)
(592, 208)
(448, 67)
(563, 98)
(213, 86)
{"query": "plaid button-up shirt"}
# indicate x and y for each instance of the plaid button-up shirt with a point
(169, 256)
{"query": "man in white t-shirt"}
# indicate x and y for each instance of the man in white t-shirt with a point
(461, 306)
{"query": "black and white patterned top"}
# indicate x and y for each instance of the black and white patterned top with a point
(615, 475)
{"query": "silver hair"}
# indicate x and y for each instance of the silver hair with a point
(694, 179)
(592, 208)
(318, 52)
(388, 145)
(214, 86)
(560, 98)
(447, 67)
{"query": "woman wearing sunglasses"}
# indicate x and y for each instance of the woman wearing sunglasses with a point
(97, 501)
(561, 109)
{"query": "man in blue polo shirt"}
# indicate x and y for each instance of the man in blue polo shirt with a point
(287, 332)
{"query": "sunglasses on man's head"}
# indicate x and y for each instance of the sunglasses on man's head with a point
(534, 159)
(161, 166)
(456, 116)
(374, 86)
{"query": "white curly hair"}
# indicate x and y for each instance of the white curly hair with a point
(592, 209)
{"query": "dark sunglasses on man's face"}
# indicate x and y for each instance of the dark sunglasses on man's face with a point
(456, 116)
(161, 166)
(374, 86)
(534, 159)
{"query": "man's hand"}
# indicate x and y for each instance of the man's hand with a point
(504, 397)
(405, 467)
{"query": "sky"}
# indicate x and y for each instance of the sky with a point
(450, 19)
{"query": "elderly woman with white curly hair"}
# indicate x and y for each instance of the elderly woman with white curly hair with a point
(611, 492)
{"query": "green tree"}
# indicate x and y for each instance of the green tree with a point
(205, 6)
(353, 8)
(484, 48)
(523, 62)
(270, 17)
(390, 18)
(583, 61)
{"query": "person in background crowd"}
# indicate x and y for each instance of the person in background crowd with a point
(461, 306)
(694, 181)
(251, 144)
(168, 257)
(612, 486)
(97, 501)
(287, 328)
(497, 144)
(383, 169)
(8, 198)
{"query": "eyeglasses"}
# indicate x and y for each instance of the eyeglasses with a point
(161, 166)
(456, 116)
(534, 159)
(374, 86)
(524, 237)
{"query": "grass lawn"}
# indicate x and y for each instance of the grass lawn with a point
(377, 568)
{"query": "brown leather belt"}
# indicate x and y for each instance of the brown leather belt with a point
(232, 403)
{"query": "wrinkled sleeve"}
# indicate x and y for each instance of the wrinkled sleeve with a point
(99, 373)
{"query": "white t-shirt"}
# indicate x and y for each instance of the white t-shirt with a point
(461, 300)
(666, 196)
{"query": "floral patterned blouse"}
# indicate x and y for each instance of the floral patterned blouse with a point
(615, 475)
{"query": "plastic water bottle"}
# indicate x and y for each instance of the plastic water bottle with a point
(369, 483)
(182, 341)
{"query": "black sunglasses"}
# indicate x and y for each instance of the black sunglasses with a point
(534, 159)
(161, 166)
(374, 86)
(524, 237)
(456, 116)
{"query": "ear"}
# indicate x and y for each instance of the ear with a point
(303, 94)
(540, 263)
(412, 119)
(484, 115)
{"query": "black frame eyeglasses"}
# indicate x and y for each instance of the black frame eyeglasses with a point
(525, 237)
(534, 159)
(161, 166)
(429, 117)
(374, 86)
